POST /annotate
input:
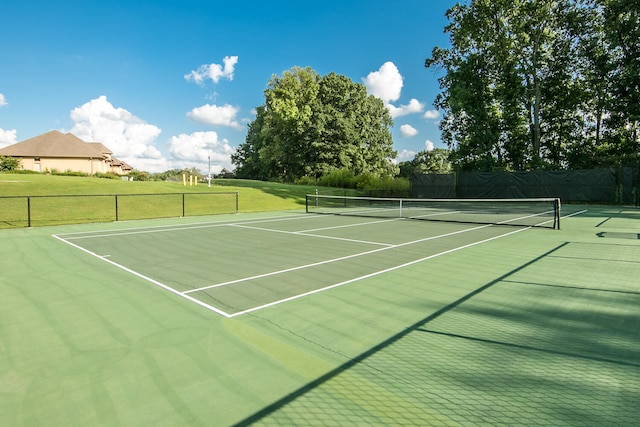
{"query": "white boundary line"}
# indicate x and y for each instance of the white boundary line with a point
(377, 273)
(177, 227)
(306, 233)
(303, 233)
(148, 279)
(315, 264)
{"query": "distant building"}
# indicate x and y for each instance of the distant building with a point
(224, 173)
(65, 152)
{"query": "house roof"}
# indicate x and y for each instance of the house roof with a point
(100, 147)
(120, 163)
(56, 144)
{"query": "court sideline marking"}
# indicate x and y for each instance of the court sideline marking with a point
(228, 315)
(376, 273)
(148, 279)
(315, 264)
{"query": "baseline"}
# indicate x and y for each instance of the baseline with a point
(147, 278)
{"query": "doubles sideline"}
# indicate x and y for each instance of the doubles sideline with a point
(309, 233)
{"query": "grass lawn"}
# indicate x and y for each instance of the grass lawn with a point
(253, 196)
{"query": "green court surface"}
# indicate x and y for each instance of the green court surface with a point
(289, 318)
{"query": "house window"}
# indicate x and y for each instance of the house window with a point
(37, 159)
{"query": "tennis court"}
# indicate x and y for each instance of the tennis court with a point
(293, 318)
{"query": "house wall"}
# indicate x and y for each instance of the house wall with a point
(88, 166)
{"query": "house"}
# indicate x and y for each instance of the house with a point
(224, 173)
(65, 152)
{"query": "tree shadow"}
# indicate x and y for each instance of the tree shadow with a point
(538, 362)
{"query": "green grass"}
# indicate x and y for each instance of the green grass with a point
(254, 196)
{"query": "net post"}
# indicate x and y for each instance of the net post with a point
(116, 197)
(400, 211)
(557, 208)
(237, 204)
(306, 203)
(29, 211)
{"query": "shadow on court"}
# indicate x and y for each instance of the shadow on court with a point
(558, 354)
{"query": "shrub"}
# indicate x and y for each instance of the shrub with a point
(9, 164)
(107, 175)
(341, 178)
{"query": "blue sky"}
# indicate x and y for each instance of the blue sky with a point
(170, 84)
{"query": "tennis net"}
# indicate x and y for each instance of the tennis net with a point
(529, 212)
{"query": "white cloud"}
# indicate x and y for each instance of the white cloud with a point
(431, 114)
(428, 145)
(3, 100)
(414, 106)
(406, 155)
(408, 131)
(7, 137)
(130, 138)
(198, 147)
(214, 72)
(386, 83)
(214, 115)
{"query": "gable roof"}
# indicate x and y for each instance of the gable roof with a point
(56, 144)
(100, 147)
(119, 163)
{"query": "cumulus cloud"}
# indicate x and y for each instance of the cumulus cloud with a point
(7, 137)
(428, 145)
(214, 72)
(408, 131)
(129, 137)
(405, 155)
(3, 100)
(199, 147)
(414, 106)
(210, 114)
(386, 83)
(431, 114)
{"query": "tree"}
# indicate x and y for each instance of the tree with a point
(426, 162)
(310, 125)
(622, 33)
(510, 94)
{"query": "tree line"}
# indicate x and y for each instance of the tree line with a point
(526, 84)
(531, 84)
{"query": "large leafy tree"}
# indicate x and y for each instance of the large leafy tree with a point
(622, 33)
(539, 83)
(310, 125)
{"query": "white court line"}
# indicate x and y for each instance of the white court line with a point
(302, 233)
(301, 267)
(148, 279)
(335, 227)
(168, 228)
(376, 273)
(227, 315)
